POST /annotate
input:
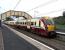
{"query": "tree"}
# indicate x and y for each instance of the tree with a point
(64, 14)
(8, 19)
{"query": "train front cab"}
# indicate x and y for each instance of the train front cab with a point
(50, 27)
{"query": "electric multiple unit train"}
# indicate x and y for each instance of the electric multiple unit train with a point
(43, 26)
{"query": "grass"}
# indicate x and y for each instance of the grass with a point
(61, 27)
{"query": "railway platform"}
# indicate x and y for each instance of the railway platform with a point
(1, 40)
(14, 40)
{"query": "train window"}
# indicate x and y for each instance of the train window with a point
(21, 22)
(35, 23)
(17, 22)
(12, 22)
(48, 22)
(28, 23)
(31, 23)
(39, 23)
(25, 22)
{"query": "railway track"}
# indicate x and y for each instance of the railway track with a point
(60, 36)
(56, 43)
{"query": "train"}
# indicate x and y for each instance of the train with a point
(43, 26)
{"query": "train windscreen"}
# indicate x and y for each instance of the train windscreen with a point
(49, 22)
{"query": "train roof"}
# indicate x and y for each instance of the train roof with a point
(36, 18)
(46, 17)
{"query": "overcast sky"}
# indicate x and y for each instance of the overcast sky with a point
(35, 8)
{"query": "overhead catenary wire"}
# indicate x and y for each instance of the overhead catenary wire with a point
(54, 11)
(17, 4)
(44, 4)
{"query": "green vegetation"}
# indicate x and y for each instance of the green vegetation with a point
(61, 27)
(60, 22)
(64, 14)
(8, 19)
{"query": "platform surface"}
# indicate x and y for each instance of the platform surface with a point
(14, 42)
(1, 40)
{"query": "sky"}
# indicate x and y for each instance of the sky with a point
(36, 8)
